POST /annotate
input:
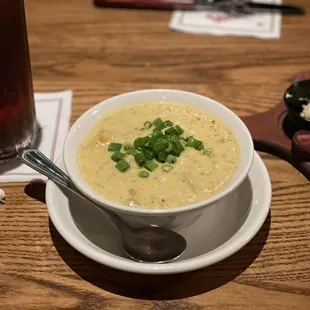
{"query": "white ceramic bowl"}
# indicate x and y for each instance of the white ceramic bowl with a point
(176, 218)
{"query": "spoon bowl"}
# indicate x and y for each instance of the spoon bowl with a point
(152, 243)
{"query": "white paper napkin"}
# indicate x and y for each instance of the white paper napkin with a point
(259, 25)
(53, 112)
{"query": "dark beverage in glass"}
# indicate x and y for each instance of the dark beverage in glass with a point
(18, 125)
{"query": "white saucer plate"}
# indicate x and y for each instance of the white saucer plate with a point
(91, 233)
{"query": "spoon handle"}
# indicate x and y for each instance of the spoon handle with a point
(39, 162)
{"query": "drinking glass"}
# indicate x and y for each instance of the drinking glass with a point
(18, 126)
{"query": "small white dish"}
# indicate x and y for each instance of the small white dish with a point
(91, 233)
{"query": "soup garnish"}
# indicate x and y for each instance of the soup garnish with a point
(165, 144)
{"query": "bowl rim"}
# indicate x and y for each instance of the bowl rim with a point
(143, 211)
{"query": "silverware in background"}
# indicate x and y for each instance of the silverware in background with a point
(240, 6)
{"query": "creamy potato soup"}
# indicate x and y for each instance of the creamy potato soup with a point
(197, 173)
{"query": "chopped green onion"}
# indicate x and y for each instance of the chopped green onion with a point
(207, 151)
(147, 125)
(169, 148)
(140, 159)
(117, 156)
(113, 147)
(178, 130)
(143, 174)
(146, 140)
(160, 145)
(161, 156)
(141, 142)
(177, 148)
(122, 165)
(129, 149)
(196, 144)
(170, 131)
(168, 123)
(200, 146)
(132, 152)
(166, 168)
(128, 146)
(171, 159)
(155, 137)
(167, 138)
(175, 138)
(158, 124)
(183, 142)
(191, 141)
(149, 154)
(151, 165)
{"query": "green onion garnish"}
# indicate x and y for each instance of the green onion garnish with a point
(177, 148)
(191, 142)
(149, 154)
(171, 159)
(158, 124)
(155, 137)
(168, 123)
(122, 165)
(132, 152)
(178, 129)
(161, 156)
(128, 146)
(143, 174)
(129, 149)
(147, 125)
(167, 138)
(140, 159)
(170, 131)
(160, 145)
(175, 138)
(117, 156)
(200, 146)
(207, 151)
(113, 147)
(169, 148)
(196, 144)
(163, 145)
(141, 142)
(151, 165)
(166, 168)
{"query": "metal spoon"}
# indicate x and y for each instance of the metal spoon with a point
(147, 244)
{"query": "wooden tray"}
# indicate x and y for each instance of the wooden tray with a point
(272, 132)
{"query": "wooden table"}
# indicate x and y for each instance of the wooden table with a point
(103, 52)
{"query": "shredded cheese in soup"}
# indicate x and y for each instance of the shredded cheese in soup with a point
(193, 178)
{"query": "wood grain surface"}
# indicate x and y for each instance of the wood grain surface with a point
(103, 52)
